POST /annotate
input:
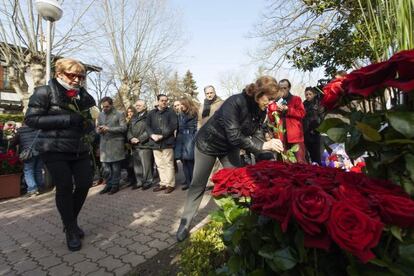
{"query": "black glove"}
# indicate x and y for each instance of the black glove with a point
(76, 119)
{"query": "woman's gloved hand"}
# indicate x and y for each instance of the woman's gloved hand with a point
(273, 145)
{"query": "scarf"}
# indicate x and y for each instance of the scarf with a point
(67, 86)
(207, 107)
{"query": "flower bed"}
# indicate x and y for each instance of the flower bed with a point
(293, 218)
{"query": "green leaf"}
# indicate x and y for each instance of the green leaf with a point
(403, 122)
(368, 132)
(300, 245)
(234, 263)
(284, 259)
(257, 272)
(337, 134)
(396, 232)
(295, 148)
(409, 164)
(329, 123)
(407, 253)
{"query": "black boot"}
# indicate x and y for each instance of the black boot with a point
(136, 186)
(183, 230)
(80, 232)
(114, 190)
(73, 241)
(105, 190)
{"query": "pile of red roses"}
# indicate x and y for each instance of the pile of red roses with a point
(328, 204)
(396, 72)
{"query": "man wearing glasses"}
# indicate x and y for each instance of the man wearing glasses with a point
(161, 125)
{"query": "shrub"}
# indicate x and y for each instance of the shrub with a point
(203, 252)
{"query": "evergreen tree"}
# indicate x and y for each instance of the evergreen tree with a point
(189, 85)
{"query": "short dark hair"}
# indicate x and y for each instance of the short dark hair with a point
(288, 82)
(108, 100)
(311, 89)
(161, 95)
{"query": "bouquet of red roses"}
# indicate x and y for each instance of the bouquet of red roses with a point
(332, 208)
(10, 163)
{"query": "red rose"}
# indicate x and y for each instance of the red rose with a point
(353, 197)
(72, 93)
(311, 207)
(272, 107)
(220, 180)
(354, 231)
(274, 202)
(404, 62)
(366, 80)
(332, 93)
(396, 210)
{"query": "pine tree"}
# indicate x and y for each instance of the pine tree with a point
(189, 85)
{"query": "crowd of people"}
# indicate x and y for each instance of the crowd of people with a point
(148, 142)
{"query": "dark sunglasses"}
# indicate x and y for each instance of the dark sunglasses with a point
(73, 76)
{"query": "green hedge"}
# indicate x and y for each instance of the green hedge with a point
(11, 117)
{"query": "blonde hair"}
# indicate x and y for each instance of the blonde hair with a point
(265, 85)
(68, 64)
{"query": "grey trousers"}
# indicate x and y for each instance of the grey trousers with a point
(202, 168)
(143, 163)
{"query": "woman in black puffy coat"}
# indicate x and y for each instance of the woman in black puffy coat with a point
(185, 141)
(61, 111)
(236, 125)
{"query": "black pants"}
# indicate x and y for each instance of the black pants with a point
(202, 168)
(313, 147)
(188, 168)
(65, 175)
(143, 166)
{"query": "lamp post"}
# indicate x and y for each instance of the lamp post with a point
(51, 11)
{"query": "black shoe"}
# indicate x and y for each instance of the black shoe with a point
(185, 187)
(78, 230)
(105, 190)
(114, 190)
(73, 241)
(146, 186)
(182, 232)
(136, 186)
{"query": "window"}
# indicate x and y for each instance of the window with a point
(6, 79)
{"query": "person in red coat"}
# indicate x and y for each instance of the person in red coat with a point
(292, 112)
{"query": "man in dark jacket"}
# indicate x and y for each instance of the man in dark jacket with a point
(141, 152)
(161, 125)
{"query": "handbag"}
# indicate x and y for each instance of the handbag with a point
(27, 153)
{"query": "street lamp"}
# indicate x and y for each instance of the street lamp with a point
(51, 11)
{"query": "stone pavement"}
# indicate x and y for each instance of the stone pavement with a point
(122, 231)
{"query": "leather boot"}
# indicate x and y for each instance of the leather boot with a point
(73, 241)
(114, 190)
(183, 230)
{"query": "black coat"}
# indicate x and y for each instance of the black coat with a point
(49, 111)
(25, 138)
(185, 141)
(162, 122)
(236, 125)
(137, 128)
(312, 120)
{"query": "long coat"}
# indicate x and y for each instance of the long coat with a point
(137, 129)
(185, 141)
(292, 119)
(213, 108)
(112, 143)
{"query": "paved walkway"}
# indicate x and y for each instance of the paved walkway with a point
(122, 231)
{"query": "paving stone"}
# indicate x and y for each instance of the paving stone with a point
(61, 270)
(93, 253)
(5, 269)
(133, 259)
(142, 238)
(159, 245)
(73, 258)
(122, 270)
(40, 253)
(116, 251)
(124, 242)
(49, 261)
(36, 272)
(160, 235)
(138, 247)
(110, 263)
(24, 265)
(16, 255)
(151, 253)
(86, 267)
(100, 272)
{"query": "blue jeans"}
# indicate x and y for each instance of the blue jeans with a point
(33, 174)
(112, 173)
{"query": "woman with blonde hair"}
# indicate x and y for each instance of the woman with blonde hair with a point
(185, 141)
(60, 110)
(236, 125)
